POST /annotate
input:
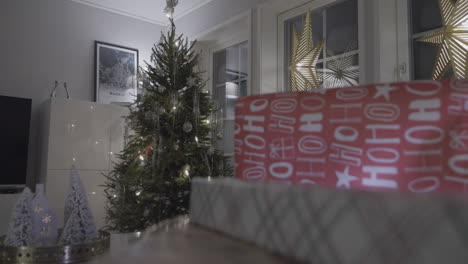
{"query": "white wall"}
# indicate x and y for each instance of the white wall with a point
(47, 40)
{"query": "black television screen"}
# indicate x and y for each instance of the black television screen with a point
(15, 116)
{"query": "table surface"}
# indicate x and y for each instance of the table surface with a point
(178, 241)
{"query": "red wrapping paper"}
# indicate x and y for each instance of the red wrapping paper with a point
(410, 137)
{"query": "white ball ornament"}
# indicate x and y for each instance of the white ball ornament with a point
(187, 127)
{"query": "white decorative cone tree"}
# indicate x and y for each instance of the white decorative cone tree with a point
(44, 220)
(79, 223)
(20, 233)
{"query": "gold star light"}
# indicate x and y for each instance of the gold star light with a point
(452, 39)
(340, 71)
(304, 59)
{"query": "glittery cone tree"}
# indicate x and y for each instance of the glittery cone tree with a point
(20, 231)
(170, 143)
(79, 222)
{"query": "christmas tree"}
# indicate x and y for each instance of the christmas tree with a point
(79, 223)
(20, 231)
(170, 144)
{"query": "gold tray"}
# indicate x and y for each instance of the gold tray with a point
(56, 254)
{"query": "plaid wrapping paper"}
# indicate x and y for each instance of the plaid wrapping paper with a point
(322, 225)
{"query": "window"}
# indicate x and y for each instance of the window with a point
(425, 18)
(230, 79)
(337, 23)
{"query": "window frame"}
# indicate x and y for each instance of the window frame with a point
(223, 36)
(297, 11)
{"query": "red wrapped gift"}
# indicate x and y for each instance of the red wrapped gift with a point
(403, 136)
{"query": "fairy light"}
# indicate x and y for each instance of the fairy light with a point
(196, 139)
(142, 158)
(138, 193)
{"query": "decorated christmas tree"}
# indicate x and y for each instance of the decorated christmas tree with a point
(79, 223)
(20, 231)
(170, 144)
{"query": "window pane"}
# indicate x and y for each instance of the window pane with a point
(337, 22)
(219, 67)
(232, 63)
(243, 88)
(342, 26)
(424, 59)
(232, 93)
(228, 137)
(230, 76)
(425, 15)
(244, 59)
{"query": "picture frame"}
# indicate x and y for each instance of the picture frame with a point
(116, 69)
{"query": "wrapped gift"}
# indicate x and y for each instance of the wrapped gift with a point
(325, 225)
(410, 137)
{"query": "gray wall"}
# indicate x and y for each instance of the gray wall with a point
(47, 40)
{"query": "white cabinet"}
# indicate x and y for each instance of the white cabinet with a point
(87, 135)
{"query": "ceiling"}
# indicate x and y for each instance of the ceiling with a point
(146, 10)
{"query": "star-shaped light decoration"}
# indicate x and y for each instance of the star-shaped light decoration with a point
(304, 58)
(340, 72)
(452, 39)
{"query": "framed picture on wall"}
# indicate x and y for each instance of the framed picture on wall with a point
(116, 73)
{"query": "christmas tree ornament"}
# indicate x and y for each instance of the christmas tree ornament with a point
(161, 89)
(191, 81)
(340, 72)
(79, 223)
(160, 111)
(452, 39)
(187, 127)
(150, 115)
(20, 229)
(210, 151)
(44, 220)
(304, 58)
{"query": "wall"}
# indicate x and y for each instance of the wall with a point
(48, 40)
